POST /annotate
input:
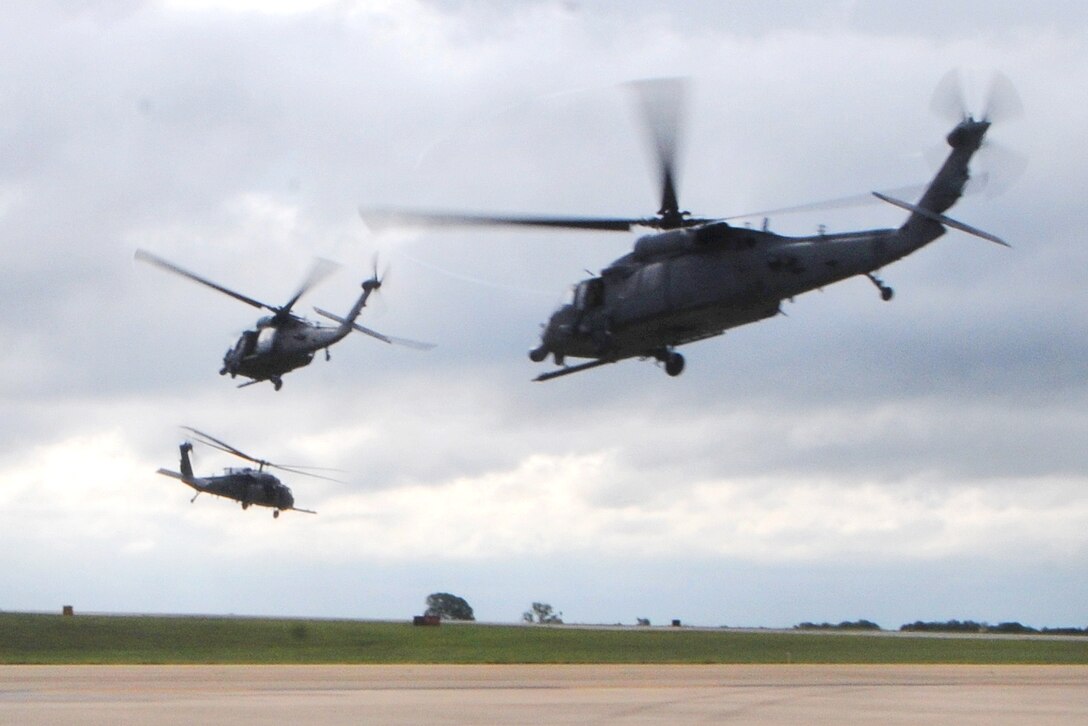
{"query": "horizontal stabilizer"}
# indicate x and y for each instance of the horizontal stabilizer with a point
(194, 482)
(418, 345)
(941, 219)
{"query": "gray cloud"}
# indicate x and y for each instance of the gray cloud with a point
(935, 436)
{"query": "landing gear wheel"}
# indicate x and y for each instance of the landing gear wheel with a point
(674, 364)
(275, 514)
(277, 383)
(536, 355)
(886, 292)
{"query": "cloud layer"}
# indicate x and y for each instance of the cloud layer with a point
(896, 461)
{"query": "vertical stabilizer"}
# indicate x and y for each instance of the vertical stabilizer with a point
(186, 467)
(348, 321)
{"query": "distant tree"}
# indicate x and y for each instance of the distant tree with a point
(448, 607)
(542, 612)
(862, 624)
(949, 626)
(644, 622)
(1065, 631)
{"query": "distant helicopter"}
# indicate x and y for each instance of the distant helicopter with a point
(246, 485)
(283, 341)
(699, 276)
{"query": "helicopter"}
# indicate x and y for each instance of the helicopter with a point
(283, 341)
(694, 278)
(246, 485)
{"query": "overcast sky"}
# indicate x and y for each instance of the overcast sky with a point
(919, 459)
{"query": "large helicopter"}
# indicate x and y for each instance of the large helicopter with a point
(283, 341)
(246, 485)
(698, 277)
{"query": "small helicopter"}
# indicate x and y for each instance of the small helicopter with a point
(283, 341)
(698, 277)
(247, 486)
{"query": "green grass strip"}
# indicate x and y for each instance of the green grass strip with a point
(94, 639)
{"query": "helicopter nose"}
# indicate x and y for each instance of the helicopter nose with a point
(559, 327)
(230, 360)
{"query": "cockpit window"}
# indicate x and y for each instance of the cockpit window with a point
(589, 294)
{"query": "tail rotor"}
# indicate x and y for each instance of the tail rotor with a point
(998, 166)
(1001, 103)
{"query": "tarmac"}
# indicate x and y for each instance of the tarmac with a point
(548, 694)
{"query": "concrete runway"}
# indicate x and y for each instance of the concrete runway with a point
(529, 694)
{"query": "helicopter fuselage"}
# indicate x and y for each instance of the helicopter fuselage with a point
(245, 485)
(274, 348)
(698, 281)
(283, 342)
(250, 486)
(719, 277)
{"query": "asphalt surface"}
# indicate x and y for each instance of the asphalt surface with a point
(529, 694)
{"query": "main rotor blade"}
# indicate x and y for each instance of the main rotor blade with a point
(381, 219)
(215, 443)
(661, 102)
(854, 200)
(297, 470)
(321, 269)
(145, 256)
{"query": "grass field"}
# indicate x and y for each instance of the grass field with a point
(87, 639)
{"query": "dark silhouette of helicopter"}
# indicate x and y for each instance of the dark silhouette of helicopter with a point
(246, 485)
(283, 341)
(698, 277)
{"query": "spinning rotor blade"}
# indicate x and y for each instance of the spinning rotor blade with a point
(998, 167)
(948, 101)
(661, 102)
(854, 200)
(661, 105)
(215, 443)
(381, 219)
(303, 472)
(1001, 167)
(223, 446)
(144, 256)
(1002, 102)
(321, 269)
